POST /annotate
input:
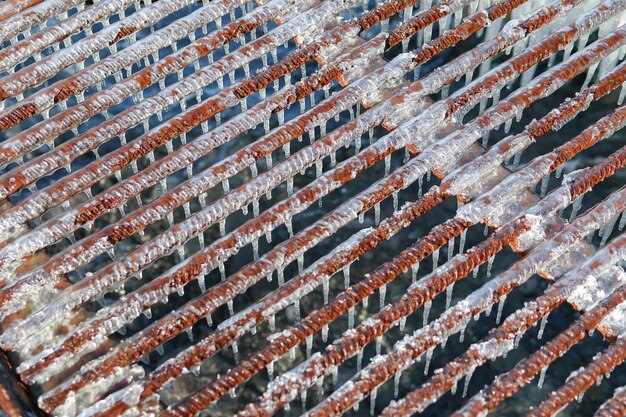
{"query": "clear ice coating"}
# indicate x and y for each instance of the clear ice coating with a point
(250, 68)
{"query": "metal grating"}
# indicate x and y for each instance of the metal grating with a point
(199, 198)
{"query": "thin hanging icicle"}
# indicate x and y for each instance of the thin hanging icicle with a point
(435, 258)
(414, 270)
(468, 378)
(396, 384)
(542, 326)
(429, 356)
(449, 290)
(427, 305)
(489, 266)
(500, 308)
(542, 376)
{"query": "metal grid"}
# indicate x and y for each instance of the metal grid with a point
(161, 160)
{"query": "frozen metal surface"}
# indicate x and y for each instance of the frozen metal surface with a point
(199, 199)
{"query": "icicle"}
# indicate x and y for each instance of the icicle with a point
(544, 185)
(189, 332)
(325, 289)
(542, 327)
(454, 387)
(377, 214)
(346, 276)
(359, 360)
(450, 248)
(300, 264)
(507, 125)
(500, 308)
(622, 221)
(270, 370)
(429, 356)
(222, 269)
(449, 290)
(382, 292)
(303, 394)
(462, 240)
(575, 207)
(420, 181)
(325, 333)
(280, 273)
(309, 346)
(607, 230)
(379, 344)
(414, 270)
(622, 95)
(468, 378)
(351, 317)
(462, 333)
(272, 322)
(488, 311)
(542, 376)
(148, 313)
(319, 384)
(373, 401)
(255, 253)
(427, 305)
(435, 258)
(335, 374)
(396, 383)
(490, 265)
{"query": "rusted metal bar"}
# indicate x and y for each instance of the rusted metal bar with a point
(212, 176)
(614, 407)
(454, 317)
(26, 19)
(14, 54)
(410, 348)
(12, 7)
(17, 146)
(48, 66)
(507, 384)
(85, 220)
(329, 265)
(580, 381)
(500, 341)
(44, 98)
(78, 366)
(157, 286)
(181, 123)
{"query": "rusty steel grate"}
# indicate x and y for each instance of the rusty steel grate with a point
(198, 199)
